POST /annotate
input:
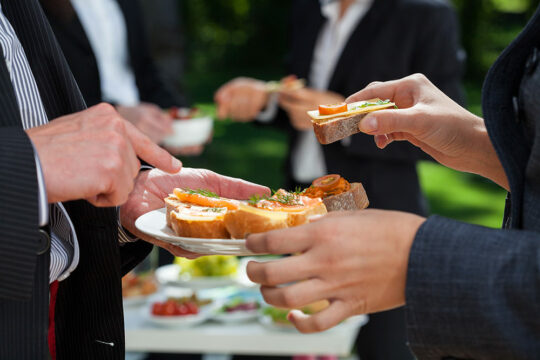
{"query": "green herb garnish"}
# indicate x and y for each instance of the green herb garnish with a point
(202, 192)
(213, 209)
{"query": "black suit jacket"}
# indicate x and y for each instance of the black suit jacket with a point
(81, 59)
(395, 38)
(474, 292)
(89, 302)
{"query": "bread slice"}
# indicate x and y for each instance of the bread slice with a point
(199, 222)
(354, 199)
(331, 128)
(172, 203)
(302, 217)
(250, 220)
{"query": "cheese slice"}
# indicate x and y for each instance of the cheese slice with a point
(353, 109)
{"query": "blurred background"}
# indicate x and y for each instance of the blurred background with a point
(202, 44)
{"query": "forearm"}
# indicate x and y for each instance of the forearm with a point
(472, 292)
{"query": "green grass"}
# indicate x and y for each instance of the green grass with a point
(257, 153)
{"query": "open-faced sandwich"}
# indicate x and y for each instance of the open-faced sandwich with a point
(335, 122)
(204, 214)
(281, 210)
(337, 193)
(289, 83)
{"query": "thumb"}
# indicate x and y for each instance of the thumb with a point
(389, 121)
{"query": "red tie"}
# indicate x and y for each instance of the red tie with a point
(52, 303)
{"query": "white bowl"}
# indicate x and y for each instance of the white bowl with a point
(190, 132)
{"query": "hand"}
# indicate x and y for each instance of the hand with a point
(241, 99)
(298, 102)
(153, 186)
(149, 119)
(430, 120)
(92, 155)
(356, 260)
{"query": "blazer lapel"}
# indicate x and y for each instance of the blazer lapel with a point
(367, 25)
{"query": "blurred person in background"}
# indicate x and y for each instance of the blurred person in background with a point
(105, 44)
(339, 47)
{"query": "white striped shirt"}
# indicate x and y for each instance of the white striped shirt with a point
(64, 245)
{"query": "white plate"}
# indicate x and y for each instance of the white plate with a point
(154, 223)
(169, 275)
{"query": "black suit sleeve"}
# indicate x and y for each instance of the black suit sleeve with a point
(473, 292)
(19, 214)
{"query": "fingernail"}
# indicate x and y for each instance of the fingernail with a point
(176, 163)
(369, 124)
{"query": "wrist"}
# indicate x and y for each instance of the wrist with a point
(489, 164)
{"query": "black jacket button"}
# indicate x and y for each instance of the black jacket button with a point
(44, 242)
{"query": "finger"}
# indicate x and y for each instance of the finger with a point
(234, 188)
(321, 321)
(297, 295)
(390, 121)
(382, 90)
(282, 271)
(152, 153)
(280, 242)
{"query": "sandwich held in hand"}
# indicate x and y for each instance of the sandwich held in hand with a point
(338, 121)
(203, 214)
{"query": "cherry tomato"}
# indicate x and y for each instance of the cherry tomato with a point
(332, 109)
(169, 308)
(192, 308)
(157, 308)
(182, 309)
(327, 182)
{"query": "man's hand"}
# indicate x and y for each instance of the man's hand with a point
(153, 186)
(241, 99)
(430, 120)
(92, 155)
(356, 260)
(298, 102)
(149, 119)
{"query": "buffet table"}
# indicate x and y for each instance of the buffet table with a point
(243, 338)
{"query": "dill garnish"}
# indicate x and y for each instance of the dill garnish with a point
(202, 192)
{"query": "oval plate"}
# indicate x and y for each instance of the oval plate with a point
(154, 223)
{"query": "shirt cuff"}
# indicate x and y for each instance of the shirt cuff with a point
(42, 192)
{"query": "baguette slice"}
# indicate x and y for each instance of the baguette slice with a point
(302, 217)
(354, 199)
(250, 220)
(331, 128)
(199, 222)
(172, 203)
